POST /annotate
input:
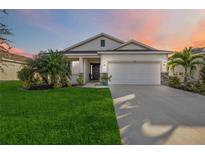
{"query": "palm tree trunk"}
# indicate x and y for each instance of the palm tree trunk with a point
(185, 77)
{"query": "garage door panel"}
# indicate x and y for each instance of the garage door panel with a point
(134, 73)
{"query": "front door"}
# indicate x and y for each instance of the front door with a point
(95, 71)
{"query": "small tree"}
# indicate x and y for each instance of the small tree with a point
(187, 60)
(80, 80)
(52, 66)
(26, 76)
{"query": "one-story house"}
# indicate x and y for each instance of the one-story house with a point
(129, 62)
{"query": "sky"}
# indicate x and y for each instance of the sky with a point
(38, 30)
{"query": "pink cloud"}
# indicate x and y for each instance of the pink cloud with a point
(142, 25)
(162, 29)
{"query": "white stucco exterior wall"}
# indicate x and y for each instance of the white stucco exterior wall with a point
(10, 70)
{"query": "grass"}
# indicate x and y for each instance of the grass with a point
(58, 116)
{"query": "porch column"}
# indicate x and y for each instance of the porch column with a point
(81, 65)
(103, 67)
(82, 70)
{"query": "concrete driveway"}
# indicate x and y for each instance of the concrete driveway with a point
(159, 115)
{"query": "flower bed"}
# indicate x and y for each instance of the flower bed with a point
(194, 86)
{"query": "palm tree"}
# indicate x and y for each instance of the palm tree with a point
(187, 60)
(52, 66)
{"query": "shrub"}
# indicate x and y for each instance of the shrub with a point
(164, 78)
(65, 82)
(80, 80)
(57, 84)
(200, 87)
(68, 83)
(26, 75)
(191, 86)
(174, 81)
(203, 87)
(202, 73)
(52, 67)
(37, 79)
(105, 78)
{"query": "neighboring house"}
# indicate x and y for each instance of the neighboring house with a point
(129, 62)
(199, 51)
(11, 64)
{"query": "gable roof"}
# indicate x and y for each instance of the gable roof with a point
(7, 55)
(93, 38)
(140, 47)
(198, 50)
(135, 43)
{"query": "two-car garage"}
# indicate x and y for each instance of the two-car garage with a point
(139, 68)
(140, 73)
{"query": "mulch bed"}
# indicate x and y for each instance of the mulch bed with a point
(42, 86)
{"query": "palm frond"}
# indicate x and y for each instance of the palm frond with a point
(186, 59)
(198, 62)
(196, 57)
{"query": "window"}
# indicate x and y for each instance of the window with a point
(75, 67)
(102, 43)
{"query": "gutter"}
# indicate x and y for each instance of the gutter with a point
(147, 52)
(81, 54)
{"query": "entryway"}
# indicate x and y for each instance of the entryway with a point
(94, 71)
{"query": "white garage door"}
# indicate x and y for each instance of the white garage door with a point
(134, 73)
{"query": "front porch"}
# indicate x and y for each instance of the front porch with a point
(88, 67)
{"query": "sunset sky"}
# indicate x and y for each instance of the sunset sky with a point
(36, 30)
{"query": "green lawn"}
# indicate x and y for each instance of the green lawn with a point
(59, 116)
